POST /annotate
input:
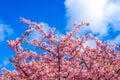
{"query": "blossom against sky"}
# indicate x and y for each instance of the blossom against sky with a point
(50, 12)
(103, 16)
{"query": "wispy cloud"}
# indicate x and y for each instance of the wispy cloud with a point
(5, 62)
(36, 34)
(116, 40)
(90, 43)
(5, 30)
(99, 13)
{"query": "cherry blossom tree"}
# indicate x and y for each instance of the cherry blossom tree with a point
(61, 57)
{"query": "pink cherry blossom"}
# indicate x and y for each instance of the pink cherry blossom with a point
(67, 60)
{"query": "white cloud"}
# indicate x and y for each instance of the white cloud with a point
(36, 34)
(5, 30)
(1, 65)
(98, 12)
(90, 43)
(5, 62)
(115, 41)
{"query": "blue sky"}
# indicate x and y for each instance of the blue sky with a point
(103, 16)
(50, 12)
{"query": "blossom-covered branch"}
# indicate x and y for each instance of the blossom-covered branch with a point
(70, 59)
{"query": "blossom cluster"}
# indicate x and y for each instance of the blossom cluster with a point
(68, 60)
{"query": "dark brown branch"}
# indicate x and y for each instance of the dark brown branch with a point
(24, 73)
(58, 61)
(114, 74)
(73, 51)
